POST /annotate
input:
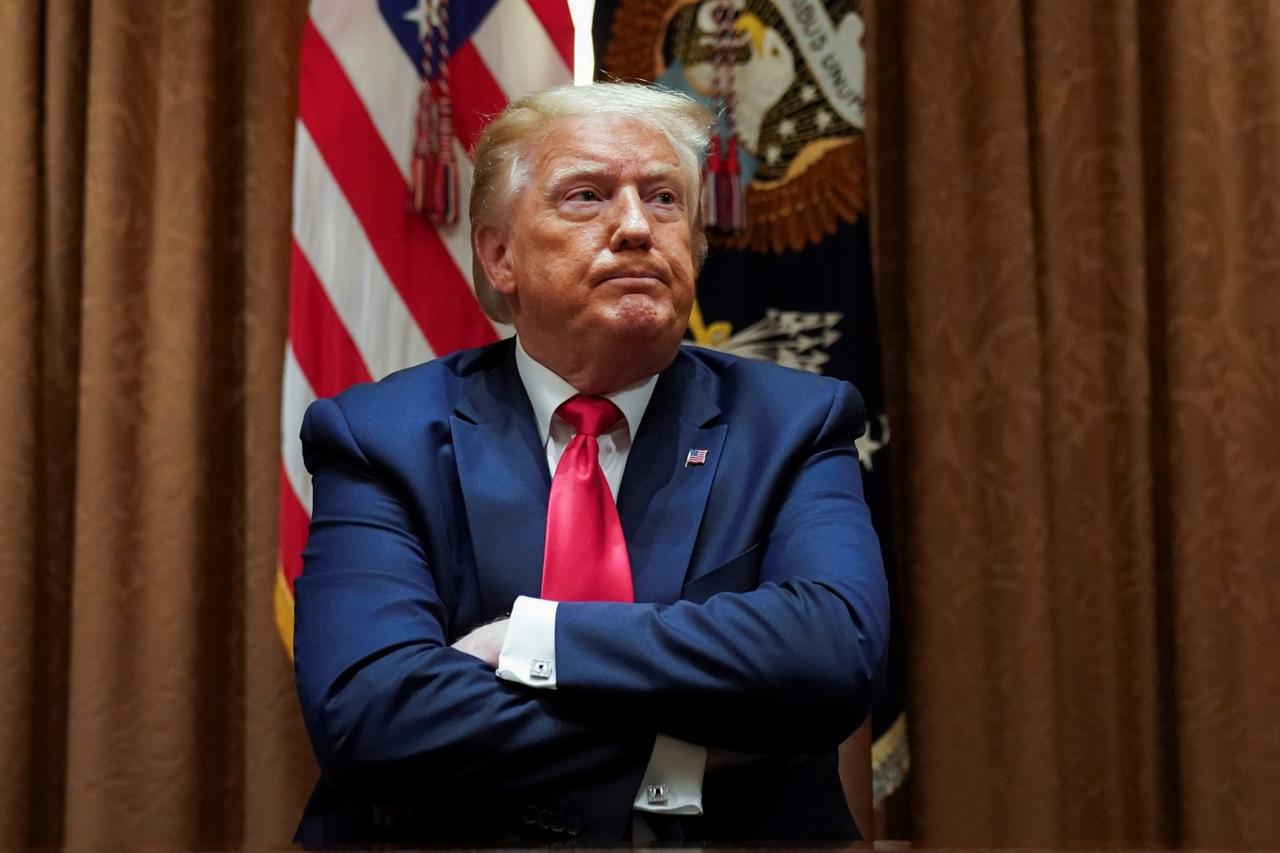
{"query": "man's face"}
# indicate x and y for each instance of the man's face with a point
(599, 250)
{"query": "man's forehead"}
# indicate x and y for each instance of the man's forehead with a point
(604, 144)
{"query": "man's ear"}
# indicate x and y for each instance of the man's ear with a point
(494, 253)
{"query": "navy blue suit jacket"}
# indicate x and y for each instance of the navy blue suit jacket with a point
(760, 623)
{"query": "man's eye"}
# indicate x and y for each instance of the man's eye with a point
(584, 195)
(666, 197)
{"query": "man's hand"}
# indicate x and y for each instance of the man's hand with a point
(485, 642)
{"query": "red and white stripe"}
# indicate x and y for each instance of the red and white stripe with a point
(374, 287)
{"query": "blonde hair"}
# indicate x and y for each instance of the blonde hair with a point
(502, 167)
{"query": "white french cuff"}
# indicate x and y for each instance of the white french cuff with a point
(529, 650)
(672, 782)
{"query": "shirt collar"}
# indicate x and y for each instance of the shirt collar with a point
(547, 390)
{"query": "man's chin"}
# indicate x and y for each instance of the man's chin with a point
(642, 321)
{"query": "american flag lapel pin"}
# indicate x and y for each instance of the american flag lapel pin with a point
(696, 457)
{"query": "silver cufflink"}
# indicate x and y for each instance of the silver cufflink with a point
(540, 670)
(656, 795)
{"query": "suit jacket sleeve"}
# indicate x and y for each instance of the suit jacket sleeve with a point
(389, 706)
(788, 666)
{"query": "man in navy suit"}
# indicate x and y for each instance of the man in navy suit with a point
(449, 698)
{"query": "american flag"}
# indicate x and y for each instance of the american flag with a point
(696, 457)
(374, 287)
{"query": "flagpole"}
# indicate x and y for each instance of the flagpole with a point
(584, 57)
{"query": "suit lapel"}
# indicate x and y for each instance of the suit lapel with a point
(662, 500)
(502, 468)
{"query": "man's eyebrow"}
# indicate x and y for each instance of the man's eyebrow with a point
(661, 172)
(577, 171)
(580, 171)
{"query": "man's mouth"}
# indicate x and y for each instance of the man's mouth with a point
(633, 277)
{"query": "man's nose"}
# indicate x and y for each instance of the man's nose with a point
(632, 228)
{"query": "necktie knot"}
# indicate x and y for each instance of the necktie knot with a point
(592, 416)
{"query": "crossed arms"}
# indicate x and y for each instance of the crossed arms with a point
(393, 709)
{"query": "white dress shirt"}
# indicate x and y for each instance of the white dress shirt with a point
(672, 782)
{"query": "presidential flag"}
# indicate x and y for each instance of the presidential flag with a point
(788, 276)
(375, 286)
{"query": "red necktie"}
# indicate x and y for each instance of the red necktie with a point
(586, 554)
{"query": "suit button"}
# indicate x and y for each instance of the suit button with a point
(557, 822)
(529, 814)
(544, 819)
(573, 824)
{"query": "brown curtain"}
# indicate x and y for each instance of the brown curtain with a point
(1077, 219)
(145, 154)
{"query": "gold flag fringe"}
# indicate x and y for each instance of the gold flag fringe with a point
(283, 606)
(890, 760)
